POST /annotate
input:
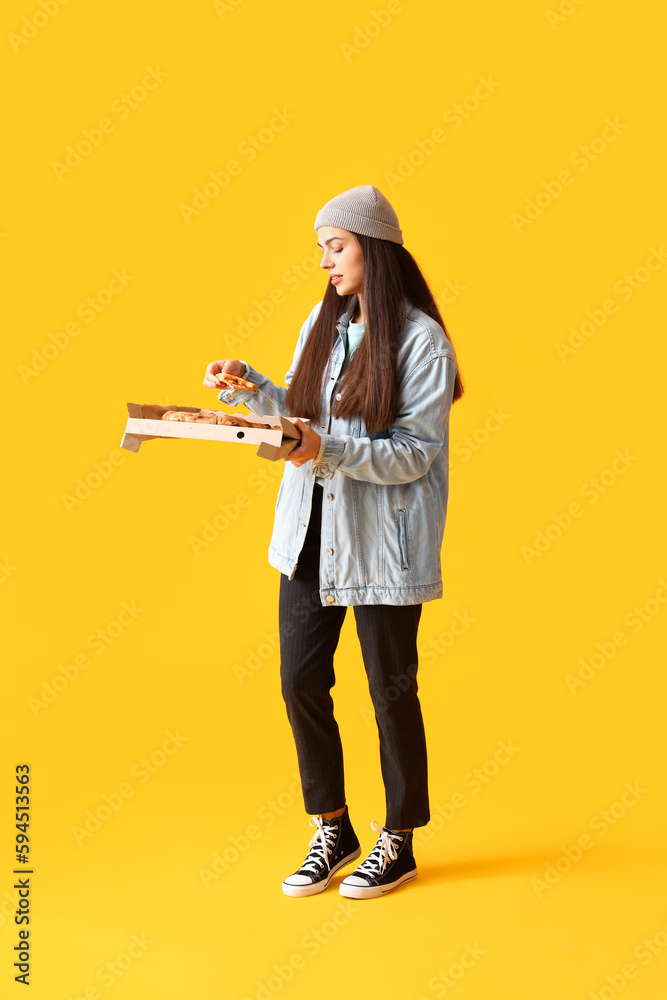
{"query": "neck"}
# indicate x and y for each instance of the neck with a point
(358, 315)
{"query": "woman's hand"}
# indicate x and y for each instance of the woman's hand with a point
(233, 367)
(307, 448)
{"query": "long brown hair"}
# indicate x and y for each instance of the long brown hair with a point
(369, 386)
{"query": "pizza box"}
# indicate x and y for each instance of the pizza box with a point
(144, 424)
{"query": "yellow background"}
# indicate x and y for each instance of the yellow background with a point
(362, 98)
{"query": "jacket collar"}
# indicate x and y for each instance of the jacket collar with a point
(345, 318)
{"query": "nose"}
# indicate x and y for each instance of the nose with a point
(326, 261)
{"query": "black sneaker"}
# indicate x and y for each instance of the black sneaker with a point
(390, 864)
(333, 846)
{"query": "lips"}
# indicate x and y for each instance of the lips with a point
(335, 278)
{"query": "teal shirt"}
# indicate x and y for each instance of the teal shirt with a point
(355, 332)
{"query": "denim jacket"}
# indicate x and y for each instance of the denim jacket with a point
(385, 503)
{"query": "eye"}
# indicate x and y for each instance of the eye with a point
(340, 250)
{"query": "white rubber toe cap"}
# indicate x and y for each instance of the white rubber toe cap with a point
(298, 880)
(355, 880)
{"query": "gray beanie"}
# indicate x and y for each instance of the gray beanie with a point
(364, 210)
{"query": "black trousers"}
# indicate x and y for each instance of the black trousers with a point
(309, 634)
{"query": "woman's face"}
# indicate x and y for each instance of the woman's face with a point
(342, 258)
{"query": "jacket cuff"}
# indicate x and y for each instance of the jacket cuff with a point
(326, 461)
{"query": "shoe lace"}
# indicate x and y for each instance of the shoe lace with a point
(321, 846)
(385, 850)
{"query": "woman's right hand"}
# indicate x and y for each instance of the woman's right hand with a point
(232, 366)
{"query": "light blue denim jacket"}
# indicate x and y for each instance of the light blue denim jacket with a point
(385, 504)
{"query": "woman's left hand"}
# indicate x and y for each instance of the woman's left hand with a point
(307, 448)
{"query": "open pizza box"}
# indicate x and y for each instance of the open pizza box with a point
(144, 423)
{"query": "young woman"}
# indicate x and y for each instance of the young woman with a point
(359, 522)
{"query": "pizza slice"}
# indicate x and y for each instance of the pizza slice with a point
(176, 415)
(189, 416)
(235, 381)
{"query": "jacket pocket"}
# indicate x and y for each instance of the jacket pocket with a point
(403, 538)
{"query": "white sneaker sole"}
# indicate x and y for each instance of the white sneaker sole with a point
(314, 887)
(373, 891)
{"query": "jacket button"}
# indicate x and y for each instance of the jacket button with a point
(325, 470)
(330, 598)
(329, 552)
(329, 496)
(339, 395)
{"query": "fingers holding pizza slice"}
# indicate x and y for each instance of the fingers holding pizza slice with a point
(230, 381)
